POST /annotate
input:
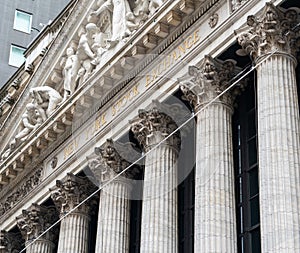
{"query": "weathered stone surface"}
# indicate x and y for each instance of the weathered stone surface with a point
(271, 37)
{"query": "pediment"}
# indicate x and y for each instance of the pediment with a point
(87, 61)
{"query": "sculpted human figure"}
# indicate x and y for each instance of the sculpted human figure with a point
(84, 52)
(98, 46)
(119, 9)
(70, 73)
(31, 120)
(46, 98)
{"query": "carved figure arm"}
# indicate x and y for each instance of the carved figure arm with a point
(27, 124)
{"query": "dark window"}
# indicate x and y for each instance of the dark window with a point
(247, 172)
(135, 226)
(186, 207)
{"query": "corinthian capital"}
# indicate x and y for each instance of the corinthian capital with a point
(111, 159)
(35, 220)
(152, 126)
(206, 82)
(71, 191)
(273, 29)
(10, 242)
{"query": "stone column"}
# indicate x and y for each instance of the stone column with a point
(271, 42)
(159, 231)
(113, 230)
(215, 221)
(74, 228)
(32, 223)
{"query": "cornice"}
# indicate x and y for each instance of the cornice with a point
(81, 95)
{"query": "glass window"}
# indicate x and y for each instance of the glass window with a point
(22, 21)
(16, 57)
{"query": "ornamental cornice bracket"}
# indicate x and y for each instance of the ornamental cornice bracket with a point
(274, 29)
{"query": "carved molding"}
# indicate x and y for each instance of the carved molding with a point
(70, 192)
(206, 82)
(20, 191)
(273, 29)
(37, 219)
(152, 126)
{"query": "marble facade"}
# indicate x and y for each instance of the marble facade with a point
(107, 98)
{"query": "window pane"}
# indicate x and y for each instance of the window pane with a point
(255, 241)
(251, 124)
(16, 57)
(254, 206)
(252, 153)
(22, 21)
(253, 181)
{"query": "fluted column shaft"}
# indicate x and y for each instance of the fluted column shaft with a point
(113, 230)
(271, 40)
(159, 211)
(74, 229)
(215, 226)
(73, 236)
(279, 154)
(159, 226)
(41, 246)
(215, 216)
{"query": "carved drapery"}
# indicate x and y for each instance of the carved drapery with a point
(67, 194)
(215, 222)
(159, 232)
(272, 39)
(33, 222)
(114, 210)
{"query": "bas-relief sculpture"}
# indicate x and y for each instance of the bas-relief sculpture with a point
(124, 20)
(80, 62)
(44, 102)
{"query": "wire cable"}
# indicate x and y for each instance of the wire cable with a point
(240, 76)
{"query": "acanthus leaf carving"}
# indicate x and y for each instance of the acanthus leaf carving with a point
(208, 81)
(37, 219)
(109, 160)
(10, 242)
(70, 192)
(152, 124)
(274, 29)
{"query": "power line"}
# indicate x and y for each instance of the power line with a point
(241, 75)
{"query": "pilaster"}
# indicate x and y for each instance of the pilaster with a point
(215, 221)
(272, 39)
(159, 232)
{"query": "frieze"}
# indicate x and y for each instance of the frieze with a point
(9, 201)
(170, 40)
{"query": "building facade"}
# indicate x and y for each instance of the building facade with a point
(21, 22)
(155, 126)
